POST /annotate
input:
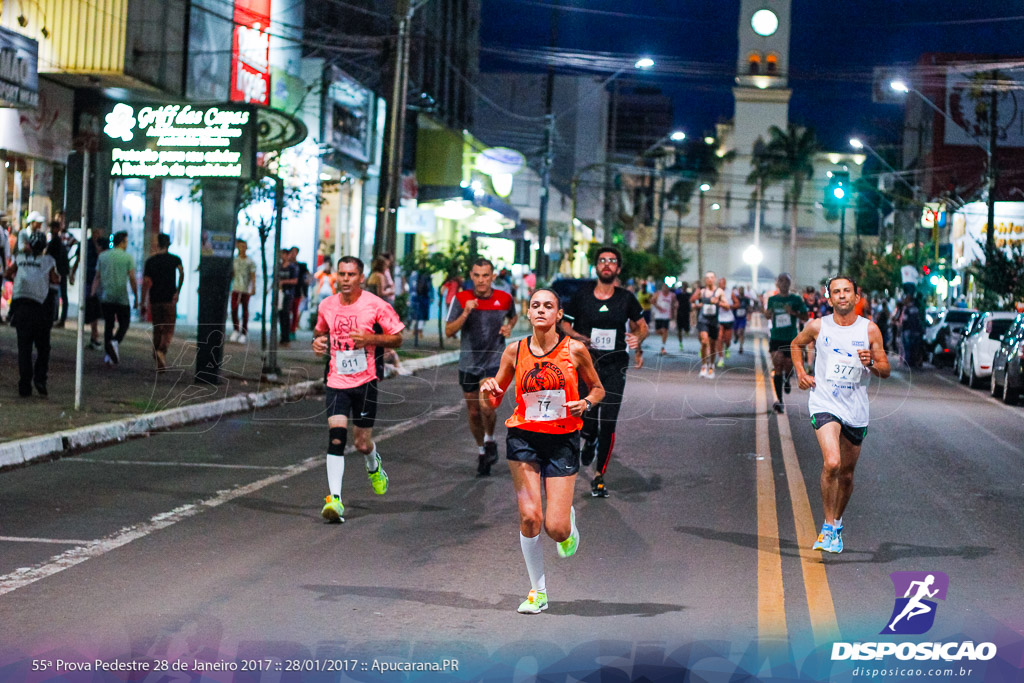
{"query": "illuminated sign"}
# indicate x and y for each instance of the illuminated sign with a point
(19, 70)
(250, 52)
(181, 141)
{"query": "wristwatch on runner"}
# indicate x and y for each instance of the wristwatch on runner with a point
(589, 405)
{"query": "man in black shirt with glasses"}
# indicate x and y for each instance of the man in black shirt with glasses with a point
(598, 316)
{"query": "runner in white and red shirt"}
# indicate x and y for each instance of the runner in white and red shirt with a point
(356, 326)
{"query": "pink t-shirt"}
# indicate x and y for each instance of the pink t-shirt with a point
(352, 367)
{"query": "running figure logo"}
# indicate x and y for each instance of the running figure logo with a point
(914, 612)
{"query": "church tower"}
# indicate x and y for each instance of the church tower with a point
(762, 67)
(761, 94)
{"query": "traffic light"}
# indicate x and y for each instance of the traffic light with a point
(838, 189)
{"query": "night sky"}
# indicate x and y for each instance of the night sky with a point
(833, 50)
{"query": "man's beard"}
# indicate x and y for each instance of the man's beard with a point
(607, 279)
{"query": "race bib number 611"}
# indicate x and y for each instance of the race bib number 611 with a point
(350, 361)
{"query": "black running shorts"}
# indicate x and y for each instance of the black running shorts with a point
(660, 324)
(557, 455)
(779, 345)
(710, 328)
(854, 435)
(470, 382)
(359, 402)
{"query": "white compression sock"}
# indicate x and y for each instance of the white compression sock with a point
(488, 437)
(335, 473)
(371, 459)
(533, 553)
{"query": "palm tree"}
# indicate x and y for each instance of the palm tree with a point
(678, 201)
(787, 157)
(697, 163)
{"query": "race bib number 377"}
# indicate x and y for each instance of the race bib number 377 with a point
(843, 371)
(350, 361)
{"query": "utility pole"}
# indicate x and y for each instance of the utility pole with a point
(700, 235)
(548, 160)
(842, 236)
(385, 235)
(993, 136)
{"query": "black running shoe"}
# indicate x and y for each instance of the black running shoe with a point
(785, 385)
(597, 487)
(588, 452)
(780, 408)
(491, 451)
(483, 468)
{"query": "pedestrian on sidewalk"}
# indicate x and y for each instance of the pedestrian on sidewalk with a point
(288, 277)
(243, 286)
(162, 278)
(33, 224)
(115, 272)
(97, 244)
(74, 251)
(59, 252)
(302, 283)
(33, 272)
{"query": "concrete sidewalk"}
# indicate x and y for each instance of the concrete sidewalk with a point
(133, 399)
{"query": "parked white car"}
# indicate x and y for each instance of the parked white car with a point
(981, 346)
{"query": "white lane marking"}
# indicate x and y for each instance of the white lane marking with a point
(58, 541)
(161, 463)
(20, 578)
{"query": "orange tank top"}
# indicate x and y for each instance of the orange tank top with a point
(543, 386)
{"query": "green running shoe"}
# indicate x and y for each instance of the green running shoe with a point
(568, 547)
(378, 478)
(333, 510)
(535, 603)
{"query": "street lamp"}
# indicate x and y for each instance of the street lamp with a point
(902, 86)
(859, 144)
(677, 136)
(548, 159)
(752, 256)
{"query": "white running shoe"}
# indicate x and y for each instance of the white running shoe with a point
(233, 337)
(242, 339)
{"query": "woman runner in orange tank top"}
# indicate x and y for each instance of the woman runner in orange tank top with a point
(543, 445)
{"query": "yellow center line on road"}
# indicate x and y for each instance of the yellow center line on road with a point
(771, 601)
(824, 625)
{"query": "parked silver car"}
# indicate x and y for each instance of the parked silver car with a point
(942, 336)
(1006, 379)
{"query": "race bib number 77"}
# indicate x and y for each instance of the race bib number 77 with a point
(544, 406)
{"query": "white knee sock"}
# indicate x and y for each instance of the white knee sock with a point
(533, 553)
(335, 473)
(371, 459)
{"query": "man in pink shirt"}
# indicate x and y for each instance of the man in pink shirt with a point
(356, 327)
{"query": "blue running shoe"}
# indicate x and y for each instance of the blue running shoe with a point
(837, 541)
(824, 541)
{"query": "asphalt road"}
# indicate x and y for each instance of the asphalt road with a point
(204, 546)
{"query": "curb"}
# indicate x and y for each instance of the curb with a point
(49, 446)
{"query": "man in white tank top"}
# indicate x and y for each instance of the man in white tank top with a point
(848, 350)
